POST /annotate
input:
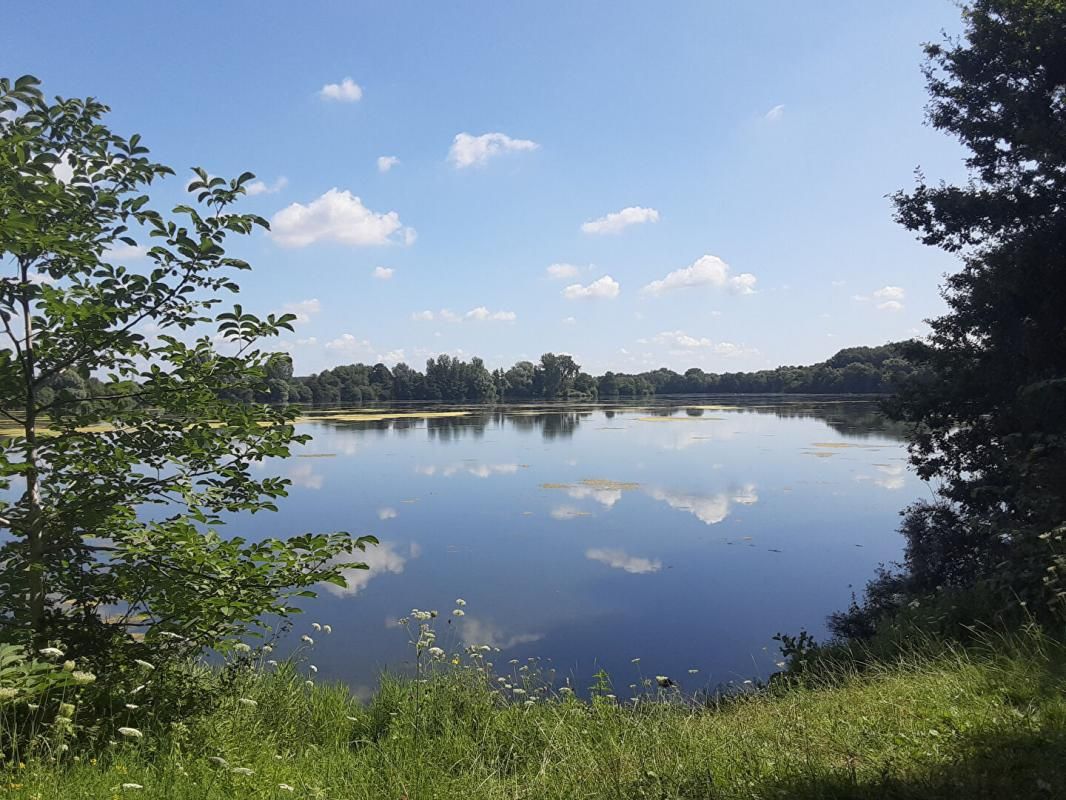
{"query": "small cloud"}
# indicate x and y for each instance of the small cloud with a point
(348, 344)
(569, 321)
(385, 163)
(707, 270)
(424, 316)
(383, 273)
(387, 513)
(337, 216)
(619, 220)
(392, 357)
(681, 339)
(890, 305)
(775, 114)
(605, 287)
(259, 187)
(482, 314)
(125, 252)
(890, 297)
(468, 150)
(620, 559)
(302, 309)
(476, 632)
(559, 271)
(304, 475)
(347, 91)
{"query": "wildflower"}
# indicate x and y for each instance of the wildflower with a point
(458, 612)
(436, 652)
(610, 697)
(82, 677)
(634, 660)
(664, 681)
(242, 647)
(272, 663)
(268, 648)
(460, 602)
(316, 627)
(286, 788)
(137, 689)
(132, 706)
(247, 701)
(501, 680)
(144, 664)
(132, 733)
(68, 666)
(218, 761)
(327, 629)
(307, 639)
(171, 635)
(51, 652)
(309, 684)
(566, 690)
(747, 683)
(33, 707)
(529, 703)
(66, 709)
(513, 661)
(693, 672)
(127, 787)
(779, 664)
(242, 771)
(518, 691)
(62, 722)
(7, 693)
(351, 719)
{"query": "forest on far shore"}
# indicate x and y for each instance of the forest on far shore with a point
(853, 370)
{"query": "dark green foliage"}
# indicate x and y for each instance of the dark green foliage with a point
(858, 370)
(989, 410)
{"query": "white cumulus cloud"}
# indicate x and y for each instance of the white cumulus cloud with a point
(383, 273)
(468, 150)
(706, 270)
(347, 91)
(605, 287)
(482, 314)
(337, 216)
(619, 220)
(385, 163)
(384, 558)
(346, 343)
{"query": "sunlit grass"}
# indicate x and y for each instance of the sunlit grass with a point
(989, 722)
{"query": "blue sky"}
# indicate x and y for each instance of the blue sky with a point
(712, 176)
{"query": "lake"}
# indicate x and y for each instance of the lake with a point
(683, 533)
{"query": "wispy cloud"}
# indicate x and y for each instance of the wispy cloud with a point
(620, 559)
(385, 163)
(618, 221)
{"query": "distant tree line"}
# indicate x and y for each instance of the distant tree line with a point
(854, 370)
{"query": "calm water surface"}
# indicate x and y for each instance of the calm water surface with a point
(684, 536)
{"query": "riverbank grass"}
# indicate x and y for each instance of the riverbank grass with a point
(988, 722)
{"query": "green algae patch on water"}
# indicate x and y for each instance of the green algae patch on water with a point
(380, 416)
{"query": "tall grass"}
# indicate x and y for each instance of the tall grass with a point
(985, 721)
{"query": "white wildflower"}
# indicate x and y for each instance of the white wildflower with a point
(286, 788)
(268, 648)
(247, 701)
(82, 677)
(664, 681)
(8, 693)
(144, 664)
(68, 666)
(309, 684)
(131, 733)
(460, 602)
(458, 612)
(436, 652)
(130, 787)
(242, 771)
(307, 639)
(242, 647)
(693, 672)
(272, 663)
(327, 629)
(516, 690)
(316, 627)
(132, 706)
(51, 652)
(218, 761)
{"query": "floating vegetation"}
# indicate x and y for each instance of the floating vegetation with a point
(678, 419)
(818, 455)
(381, 416)
(600, 483)
(557, 486)
(316, 455)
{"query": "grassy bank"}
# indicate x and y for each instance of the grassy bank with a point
(983, 722)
